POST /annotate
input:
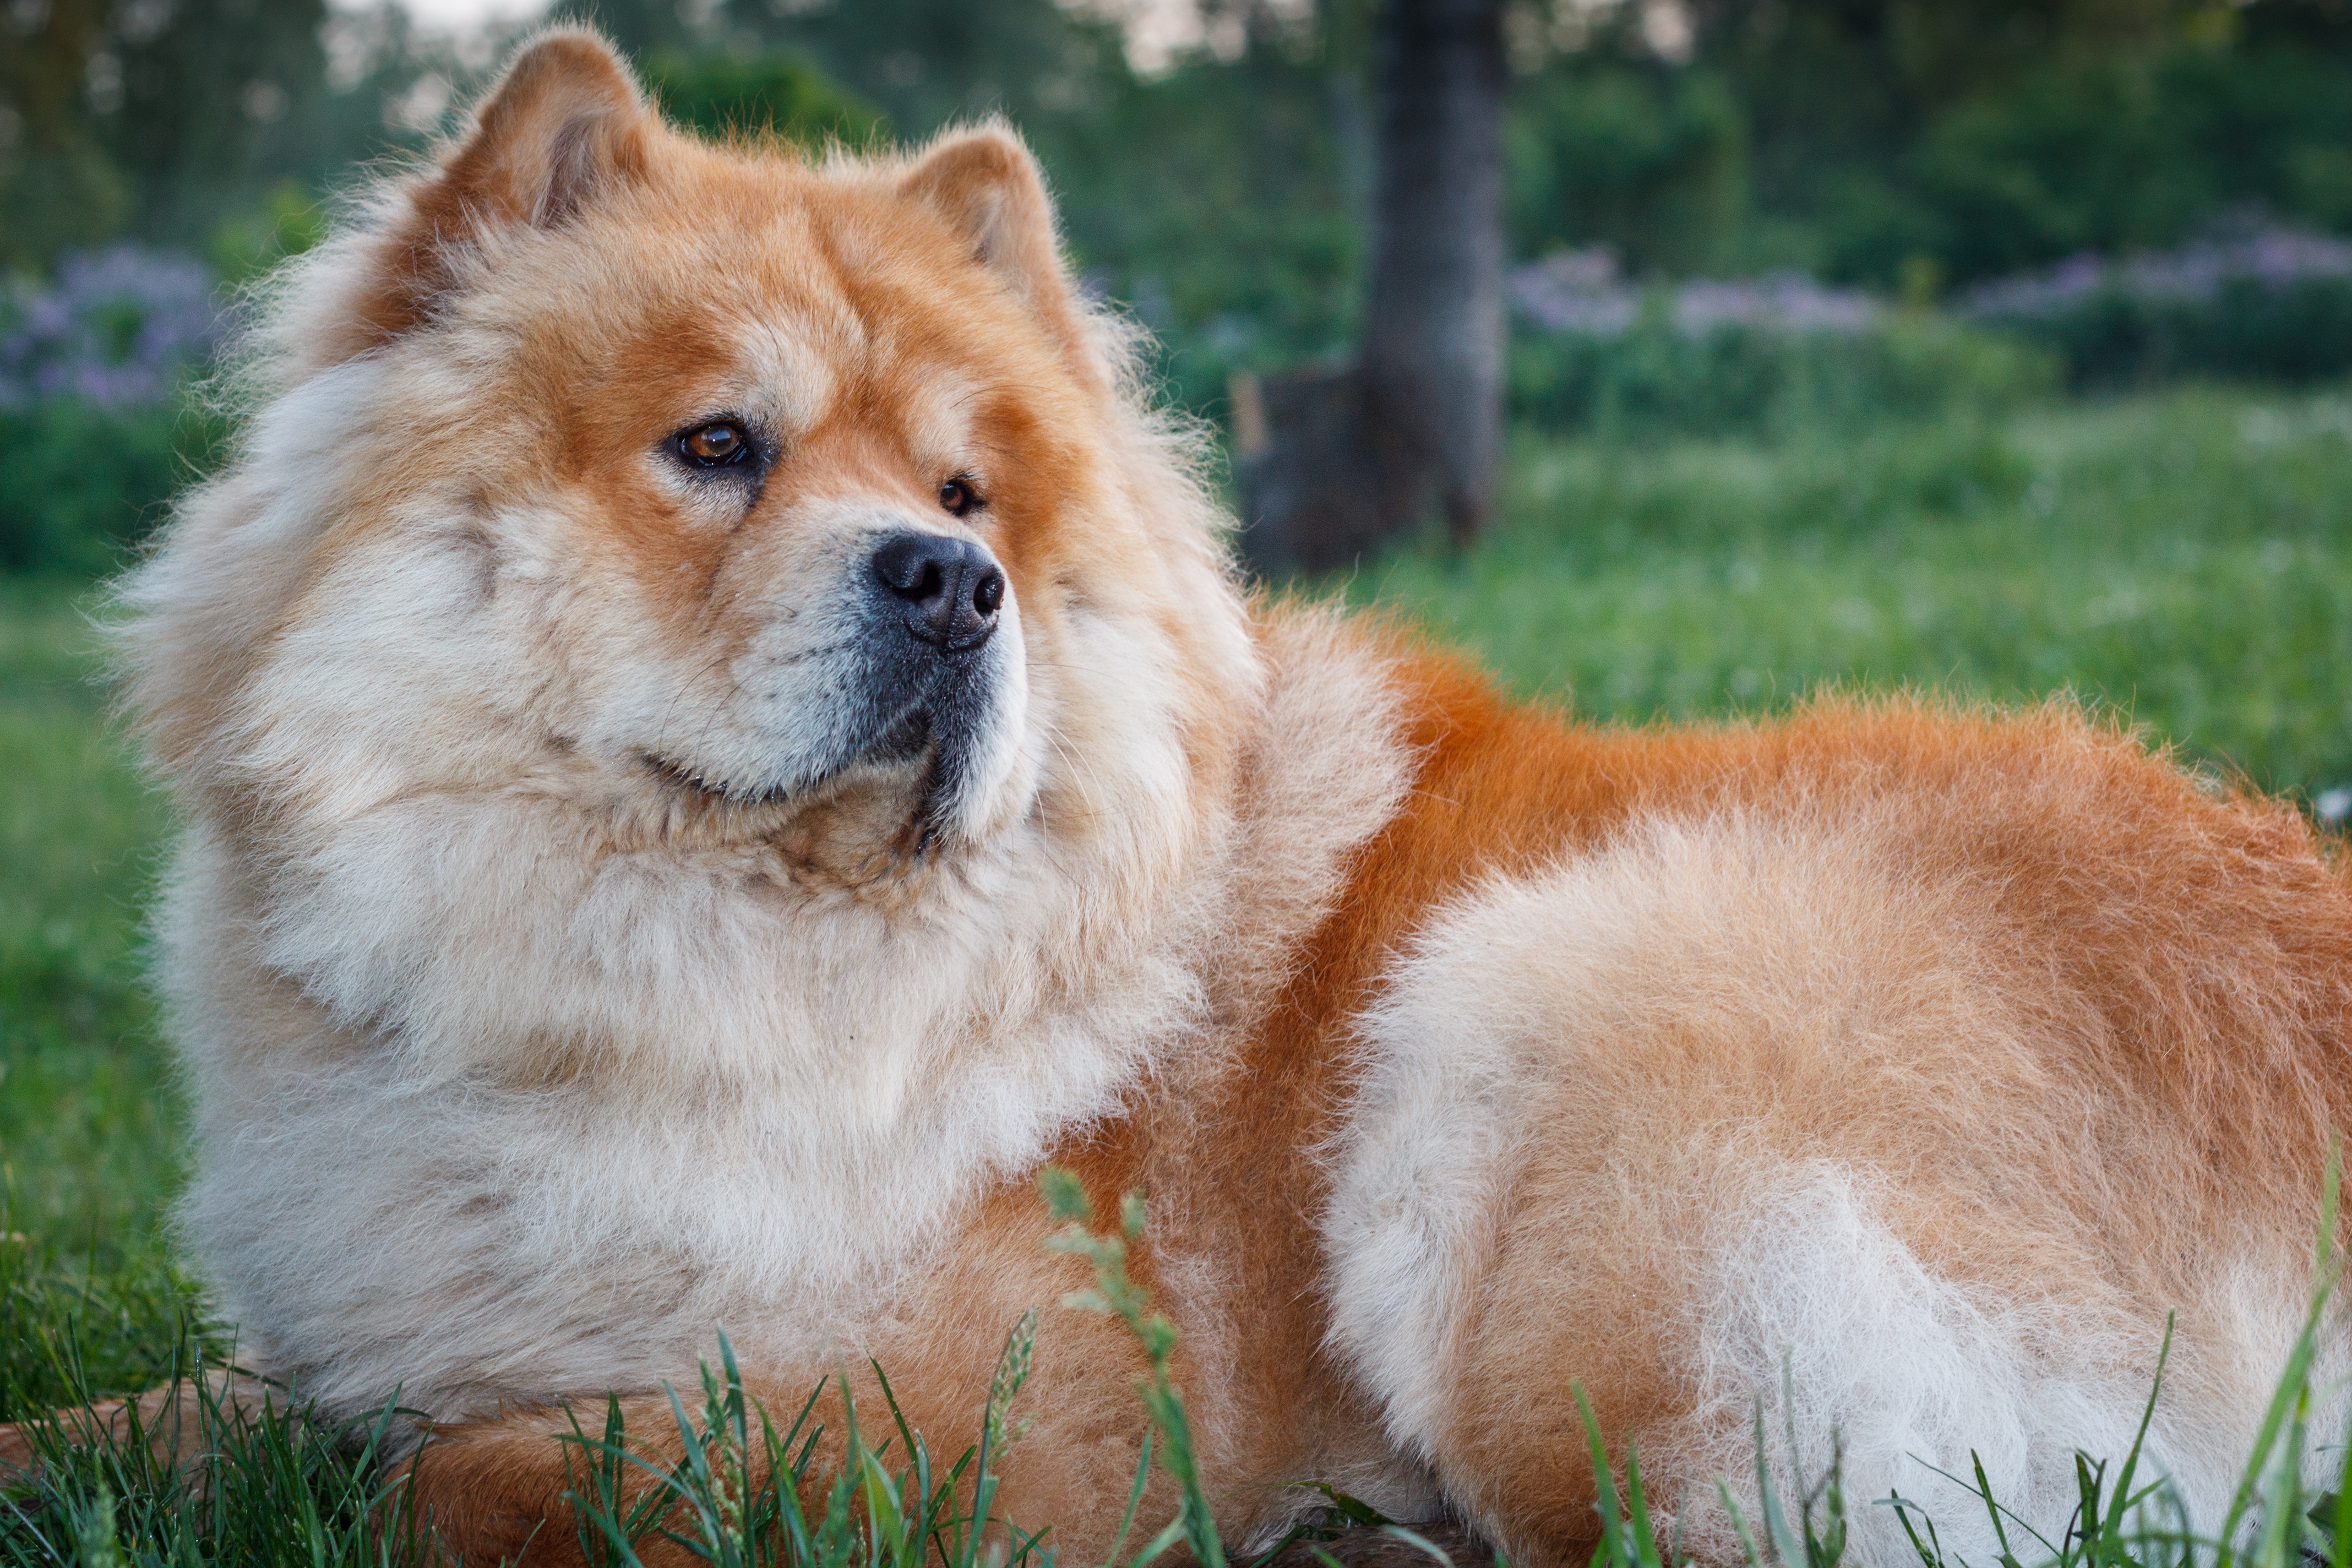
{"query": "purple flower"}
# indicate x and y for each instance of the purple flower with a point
(1584, 291)
(1779, 301)
(118, 326)
(2195, 273)
(1575, 291)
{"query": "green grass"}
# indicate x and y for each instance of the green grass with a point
(2187, 558)
(90, 1119)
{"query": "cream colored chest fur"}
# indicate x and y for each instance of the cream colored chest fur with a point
(376, 1223)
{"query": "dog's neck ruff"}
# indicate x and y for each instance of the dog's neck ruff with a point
(792, 1098)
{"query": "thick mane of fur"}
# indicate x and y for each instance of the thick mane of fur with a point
(594, 1049)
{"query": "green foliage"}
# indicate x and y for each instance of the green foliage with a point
(153, 120)
(1650, 161)
(1655, 380)
(778, 93)
(219, 100)
(1956, 142)
(1223, 203)
(287, 222)
(2290, 333)
(2104, 157)
(256, 1484)
(80, 484)
(122, 1320)
(1223, 192)
(58, 185)
(922, 64)
(733, 1496)
(2115, 153)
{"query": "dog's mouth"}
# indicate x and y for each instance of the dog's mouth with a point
(690, 781)
(904, 739)
(905, 731)
(931, 754)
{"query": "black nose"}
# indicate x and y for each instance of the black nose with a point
(952, 587)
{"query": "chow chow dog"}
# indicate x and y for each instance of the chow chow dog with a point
(717, 734)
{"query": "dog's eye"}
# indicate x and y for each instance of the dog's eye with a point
(715, 445)
(959, 496)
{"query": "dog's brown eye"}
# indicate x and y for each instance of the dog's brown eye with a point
(715, 445)
(958, 496)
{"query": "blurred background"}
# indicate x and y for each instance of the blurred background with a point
(1867, 253)
(1997, 347)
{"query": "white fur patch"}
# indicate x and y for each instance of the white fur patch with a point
(1914, 1371)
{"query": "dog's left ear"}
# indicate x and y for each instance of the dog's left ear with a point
(985, 184)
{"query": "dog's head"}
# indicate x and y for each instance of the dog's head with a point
(648, 556)
(736, 496)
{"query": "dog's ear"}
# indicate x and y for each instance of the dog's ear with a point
(985, 184)
(563, 125)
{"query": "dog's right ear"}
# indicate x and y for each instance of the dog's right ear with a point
(564, 124)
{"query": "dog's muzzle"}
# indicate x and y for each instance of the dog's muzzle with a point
(934, 603)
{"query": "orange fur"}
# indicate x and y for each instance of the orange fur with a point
(2024, 1032)
(2194, 925)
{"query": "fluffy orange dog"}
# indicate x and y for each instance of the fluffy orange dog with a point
(716, 733)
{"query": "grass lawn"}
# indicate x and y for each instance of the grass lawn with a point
(89, 1122)
(2185, 558)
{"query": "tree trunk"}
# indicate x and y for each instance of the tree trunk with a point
(1336, 461)
(1432, 360)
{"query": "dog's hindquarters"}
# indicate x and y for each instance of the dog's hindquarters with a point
(1750, 1102)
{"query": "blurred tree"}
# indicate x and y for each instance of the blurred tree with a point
(1966, 139)
(154, 118)
(219, 100)
(1339, 459)
(926, 62)
(1432, 360)
(2321, 25)
(2063, 160)
(921, 63)
(58, 187)
(1224, 200)
(1223, 185)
